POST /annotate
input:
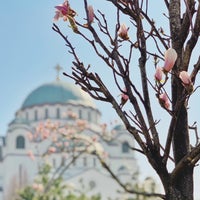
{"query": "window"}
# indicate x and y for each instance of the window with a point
(84, 161)
(20, 175)
(80, 114)
(54, 162)
(89, 116)
(125, 147)
(36, 115)
(92, 184)
(20, 142)
(58, 113)
(27, 116)
(63, 158)
(46, 113)
(94, 162)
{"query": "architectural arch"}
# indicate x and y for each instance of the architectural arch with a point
(20, 142)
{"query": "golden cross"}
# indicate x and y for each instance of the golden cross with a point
(58, 68)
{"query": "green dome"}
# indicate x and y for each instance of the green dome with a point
(57, 93)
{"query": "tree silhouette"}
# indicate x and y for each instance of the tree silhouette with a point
(137, 46)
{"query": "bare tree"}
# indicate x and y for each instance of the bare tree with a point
(147, 43)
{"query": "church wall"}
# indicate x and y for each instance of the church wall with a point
(37, 113)
(20, 167)
(12, 140)
(20, 170)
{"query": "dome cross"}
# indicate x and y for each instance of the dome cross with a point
(58, 68)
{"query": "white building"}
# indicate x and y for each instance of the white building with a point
(52, 101)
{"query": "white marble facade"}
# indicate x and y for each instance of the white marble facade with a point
(52, 101)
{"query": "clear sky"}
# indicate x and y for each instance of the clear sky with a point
(29, 51)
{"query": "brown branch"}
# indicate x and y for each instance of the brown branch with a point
(188, 160)
(172, 127)
(62, 171)
(152, 24)
(175, 23)
(187, 19)
(195, 71)
(166, 3)
(125, 187)
(142, 65)
(191, 43)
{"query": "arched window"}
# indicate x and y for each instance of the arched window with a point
(58, 113)
(89, 116)
(94, 162)
(80, 114)
(125, 147)
(46, 113)
(54, 162)
(36, 115)
(27, 116)
(84, 161)
(20, 142)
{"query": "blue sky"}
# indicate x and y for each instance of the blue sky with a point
(29, 51)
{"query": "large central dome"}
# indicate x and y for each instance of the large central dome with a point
(57, 93)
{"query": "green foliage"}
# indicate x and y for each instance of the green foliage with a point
(46, 188)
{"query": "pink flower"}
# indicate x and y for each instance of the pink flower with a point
(186, 81)
(158, 74)
(123, 32)
(90, 14)
(30, 136)
(72, 114)
(164, 100)
(124, 98)
(64, 11)
(38, 186)
(185, 78)
(45, 134)
(52, 150)
(170, 59)
(81, 124)
(31, 155)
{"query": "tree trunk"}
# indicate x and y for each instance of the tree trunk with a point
(182, 187)
(174, 192)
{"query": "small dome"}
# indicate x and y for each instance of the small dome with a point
(57, 93)
(119, 127)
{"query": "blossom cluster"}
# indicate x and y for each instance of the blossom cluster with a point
(170, 57)
(65, 12)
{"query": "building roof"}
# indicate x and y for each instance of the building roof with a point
(57, 92)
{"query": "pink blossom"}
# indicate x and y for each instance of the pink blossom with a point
(45, 134)
(81, 124)
(95, 138)
(52, 150)
(123, 32)
(64, 11)
(54, 138)
(59, 144)
(185, 78)
(30, 136)
(66, 144)
(124, 97)
(90, 14)
(186, 81)
(170, 59)
(72, 114)
(31, 155)
(38, 186)
(158, 74)
(164, 100)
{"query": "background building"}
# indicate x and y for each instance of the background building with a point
(52, 101)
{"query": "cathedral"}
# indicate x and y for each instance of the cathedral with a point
(52, 102)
